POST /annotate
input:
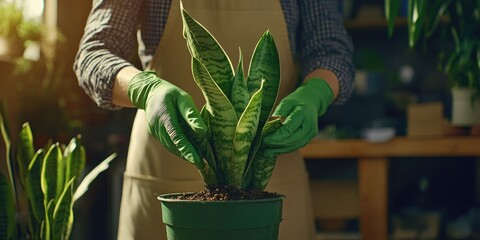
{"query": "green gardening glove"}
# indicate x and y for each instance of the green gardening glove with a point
(164, 103)
(301, 108)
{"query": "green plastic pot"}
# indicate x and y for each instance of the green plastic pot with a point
(221, 220)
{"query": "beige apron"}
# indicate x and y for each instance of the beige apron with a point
(152, 170)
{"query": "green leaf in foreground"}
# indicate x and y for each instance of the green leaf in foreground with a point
(244, 136)
(25, 151)
(49, 173)
(223, 119)
(265, 65)
(7, 214)
(87, 180)
(240, 95)
(205, 48)
(33, 186)
(75, 159)
(5, 129)
(262, 167)
(61, 213)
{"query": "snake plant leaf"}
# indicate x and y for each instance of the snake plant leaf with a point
(25, 151)
(438, 11)
(49, 173)
(391, 12)
(262, 166)
(269, 127)
(209, 176)
(207, 150)
(208, 167)
(204, 47)
(240, 95)
(34, 187)
(223, 119)
(68, 230)
(244, 135)
(5, 129)
(47, 224)
(75, 159)
(415, 20)
(61, 213)
(88, 179)
(265, 64)
(7, 209)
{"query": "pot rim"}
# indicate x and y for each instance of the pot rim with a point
(165, 198)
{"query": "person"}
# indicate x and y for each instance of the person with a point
(316, 67)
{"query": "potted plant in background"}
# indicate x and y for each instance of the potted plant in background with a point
(16, 30)
(234, 204)
(457, 24)
(38, 196)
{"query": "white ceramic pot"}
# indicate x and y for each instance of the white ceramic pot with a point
(464, 113)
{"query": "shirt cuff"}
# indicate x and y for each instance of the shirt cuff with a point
(343, 69)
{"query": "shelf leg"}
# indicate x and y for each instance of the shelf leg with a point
(373, 187)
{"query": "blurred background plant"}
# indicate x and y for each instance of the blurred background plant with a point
(16, 30)
(38, 74)
(456, 27)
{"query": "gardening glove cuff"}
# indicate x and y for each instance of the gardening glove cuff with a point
(319, 92)
(141, 86)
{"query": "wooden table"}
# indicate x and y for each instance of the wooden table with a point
(373, 169)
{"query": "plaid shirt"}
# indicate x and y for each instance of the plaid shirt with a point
(315, 28)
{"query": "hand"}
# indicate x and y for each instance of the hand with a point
(163, 102)
(301, 108)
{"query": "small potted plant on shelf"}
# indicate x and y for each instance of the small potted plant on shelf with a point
(457, 22)
(38, 196)
(237, 112)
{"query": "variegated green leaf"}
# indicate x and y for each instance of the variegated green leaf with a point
(223, 118)
(87, 180)
(204, 47)
(265, 64)
(269, 127)
(7, 209)
(43, 230)
(207, 150)
(25, 151)
(5, 129)
(262, 167)
(33, 186)
(49, 173)
(69, 225)
(61, 213)
(208, 169)
(209, 176)
(47, 224)
(240, 95)
(244, 136)
(75, 159)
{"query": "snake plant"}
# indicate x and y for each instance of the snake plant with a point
(37, 197)
(237, 109)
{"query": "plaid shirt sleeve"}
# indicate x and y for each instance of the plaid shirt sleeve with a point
(325, 43)
(315, 28)
(109, 38)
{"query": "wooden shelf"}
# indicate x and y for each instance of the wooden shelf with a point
(397, 147)
(373, 168)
